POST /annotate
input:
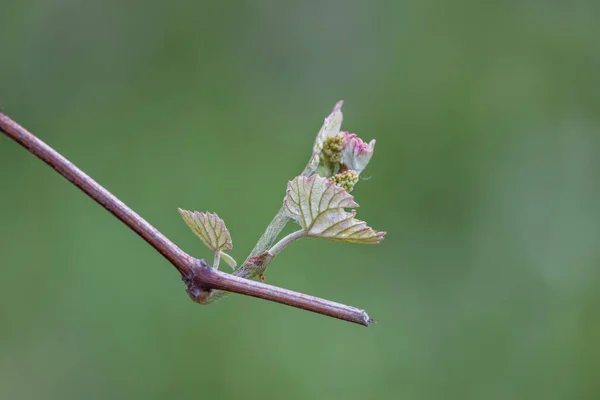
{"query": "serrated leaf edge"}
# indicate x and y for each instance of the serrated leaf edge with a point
(298, 211)
(197, 221)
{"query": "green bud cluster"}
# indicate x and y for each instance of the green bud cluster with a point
(332, 149)
(345, 180)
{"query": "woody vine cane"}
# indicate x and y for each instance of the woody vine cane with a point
(315, 200)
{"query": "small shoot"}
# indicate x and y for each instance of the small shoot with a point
(212, 231)
(316, 200)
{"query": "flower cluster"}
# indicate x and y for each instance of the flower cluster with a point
(340, 156)
(345, 180)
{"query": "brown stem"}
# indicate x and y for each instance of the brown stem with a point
(199, 277)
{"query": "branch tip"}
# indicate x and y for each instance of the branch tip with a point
(367, 320)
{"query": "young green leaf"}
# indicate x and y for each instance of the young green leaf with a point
(317, 205)
(212, 231)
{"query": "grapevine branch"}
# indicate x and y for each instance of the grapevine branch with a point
(200, 278)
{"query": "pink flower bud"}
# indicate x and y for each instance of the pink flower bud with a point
(356, 153)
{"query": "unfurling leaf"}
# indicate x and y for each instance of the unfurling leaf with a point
(317, 205)
(356, 153)
(209, 228)
(212, 231)
(331, 127)
(335, 151)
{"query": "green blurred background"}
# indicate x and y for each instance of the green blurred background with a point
(485, 177)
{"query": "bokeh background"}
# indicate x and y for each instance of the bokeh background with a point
(485, 176)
